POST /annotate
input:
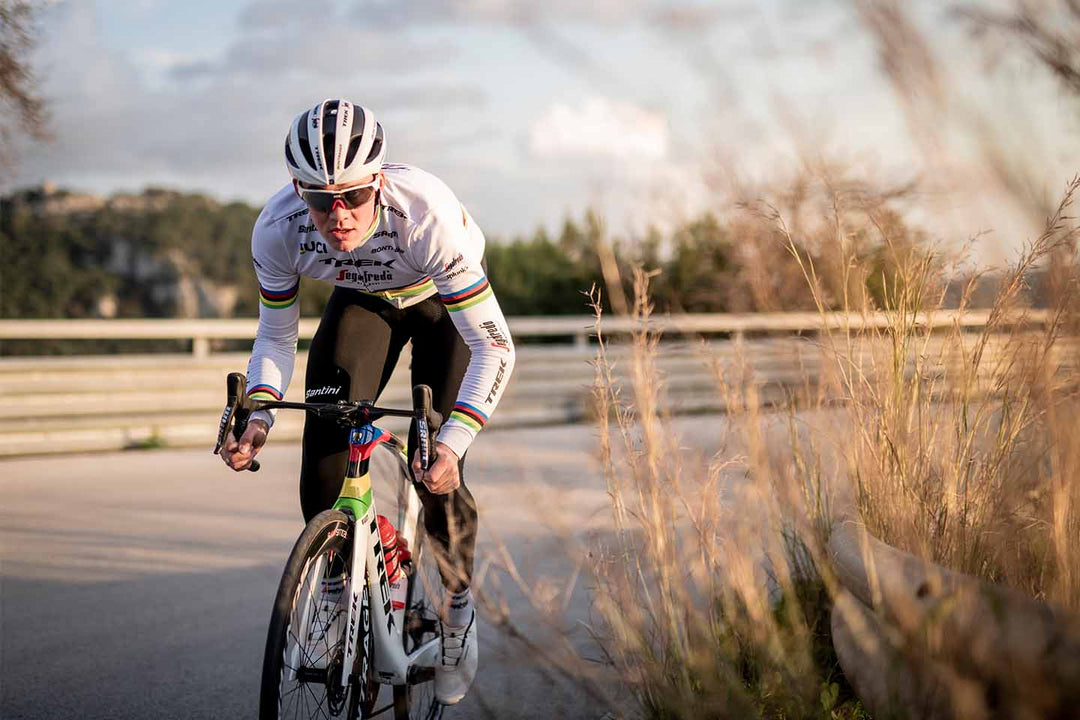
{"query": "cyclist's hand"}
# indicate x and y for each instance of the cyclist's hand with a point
(238, 455)
(443, 477)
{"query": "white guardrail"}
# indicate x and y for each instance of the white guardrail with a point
(578, 327)
(112, 402)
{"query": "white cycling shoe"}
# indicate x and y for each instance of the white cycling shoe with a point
(326, 626)
(454, 674)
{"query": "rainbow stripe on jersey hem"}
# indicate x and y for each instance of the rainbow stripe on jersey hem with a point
(475, 294)
(469, 415)
(264, 392)
(417, 288)
(279, 299)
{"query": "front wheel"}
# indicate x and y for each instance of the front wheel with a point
(305, 644)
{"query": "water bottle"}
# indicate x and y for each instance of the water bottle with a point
(395, 552)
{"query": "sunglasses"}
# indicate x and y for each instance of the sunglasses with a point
(353, 197)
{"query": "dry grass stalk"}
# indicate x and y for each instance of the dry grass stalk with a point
(702, 609)
(963, 450)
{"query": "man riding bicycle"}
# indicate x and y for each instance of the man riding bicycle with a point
(405, 257)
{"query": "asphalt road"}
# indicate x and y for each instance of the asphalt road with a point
(139, 585)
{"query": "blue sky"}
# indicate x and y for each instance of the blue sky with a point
(529, 111)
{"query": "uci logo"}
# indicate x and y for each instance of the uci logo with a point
(312, 246)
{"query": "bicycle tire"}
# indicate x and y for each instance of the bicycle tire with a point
(323, 550)
(416, 700)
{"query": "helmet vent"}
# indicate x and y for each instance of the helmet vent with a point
(354, 146)
(305, 143)
(376, 147)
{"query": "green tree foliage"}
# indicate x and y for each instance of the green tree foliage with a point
(169, 254)
(538, 276)
(698, 273)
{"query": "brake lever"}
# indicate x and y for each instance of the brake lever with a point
(235, 416)
(427, 424)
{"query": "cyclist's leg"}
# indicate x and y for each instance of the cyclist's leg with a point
(439, 359)
(352, 357)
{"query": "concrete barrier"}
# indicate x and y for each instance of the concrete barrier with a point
(1006, 654)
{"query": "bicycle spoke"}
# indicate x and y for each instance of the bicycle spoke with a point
(318, 703)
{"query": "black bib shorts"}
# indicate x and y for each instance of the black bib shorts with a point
(356, 348)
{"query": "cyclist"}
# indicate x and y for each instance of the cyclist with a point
(405, 257)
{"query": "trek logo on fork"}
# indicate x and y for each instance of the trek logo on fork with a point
(354, 613)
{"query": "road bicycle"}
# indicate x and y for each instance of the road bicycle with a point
(335, 635)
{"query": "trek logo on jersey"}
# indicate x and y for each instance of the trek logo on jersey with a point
(498, 381)
(498, 340)
(362, 262)
(312, 246)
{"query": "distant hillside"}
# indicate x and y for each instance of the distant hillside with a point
(156, 254)
(162, 253)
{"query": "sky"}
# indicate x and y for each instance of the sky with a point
(531, 112)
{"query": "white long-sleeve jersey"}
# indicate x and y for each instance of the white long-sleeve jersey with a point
(422, 243)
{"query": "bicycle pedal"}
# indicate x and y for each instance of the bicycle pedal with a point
(418, 675)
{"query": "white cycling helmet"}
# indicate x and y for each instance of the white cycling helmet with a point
(334, 142)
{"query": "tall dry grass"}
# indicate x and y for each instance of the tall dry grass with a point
(707, 590)
(955, 445)
(963, 447)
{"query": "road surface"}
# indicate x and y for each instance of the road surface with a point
(139, 584)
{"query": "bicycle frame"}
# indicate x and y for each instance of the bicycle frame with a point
(357, 499)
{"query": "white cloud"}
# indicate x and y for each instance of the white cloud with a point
(599, 127)
(125, 117)
(509, 12)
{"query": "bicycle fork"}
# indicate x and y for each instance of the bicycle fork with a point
(368, 562)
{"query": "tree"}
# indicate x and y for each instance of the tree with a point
(21, 106)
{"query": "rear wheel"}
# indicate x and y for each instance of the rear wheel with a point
(416, 701)
(305, 644)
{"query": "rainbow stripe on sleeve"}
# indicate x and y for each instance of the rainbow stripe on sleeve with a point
(469, 415)
(279, 299)
(264, 392)
(475, 294)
